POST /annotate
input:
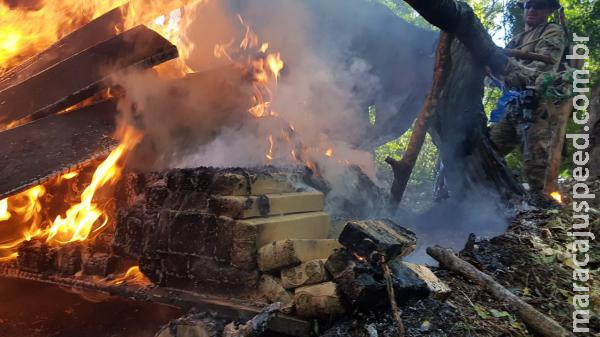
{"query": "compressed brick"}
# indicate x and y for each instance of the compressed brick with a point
(100, 264)
(311, 225)
(68, 258)
(240, 207)
(292, 252)
(320, 300)
(271, 288)
(307, 273)
(205, 270)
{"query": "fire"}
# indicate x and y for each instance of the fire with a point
(20, 40)
(4, 213)
(80, 221)
(132, 276)
(557, 196)
(70, 175)
(329, 152)
(269, 154)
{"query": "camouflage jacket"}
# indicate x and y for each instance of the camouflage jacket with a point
(546, 39)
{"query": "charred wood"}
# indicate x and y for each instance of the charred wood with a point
(36, 152)
(254, 327)
(370, 237)
(83, 74)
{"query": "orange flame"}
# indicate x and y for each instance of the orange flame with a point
(4, 213)
(557, 196)
(329, 152)
(133, 276)
(80, 220)
(20, 39)
(269, 154)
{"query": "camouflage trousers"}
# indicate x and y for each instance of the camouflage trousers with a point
(534, 143)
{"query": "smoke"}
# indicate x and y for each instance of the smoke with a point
(339, 60)
(450, 222)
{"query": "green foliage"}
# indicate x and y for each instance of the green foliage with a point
(490, 98)
(424, 170)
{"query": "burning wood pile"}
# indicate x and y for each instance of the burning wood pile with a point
(73, 216)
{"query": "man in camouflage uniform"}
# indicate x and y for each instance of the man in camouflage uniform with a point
(539, 37)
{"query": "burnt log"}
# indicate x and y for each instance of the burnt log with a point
(38, 151)
(84, 74)
(378, 236)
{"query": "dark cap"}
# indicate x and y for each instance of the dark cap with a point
(552, 4)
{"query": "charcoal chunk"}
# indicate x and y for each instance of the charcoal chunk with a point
(378, 236)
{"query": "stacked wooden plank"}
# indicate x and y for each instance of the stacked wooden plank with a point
(73, 69)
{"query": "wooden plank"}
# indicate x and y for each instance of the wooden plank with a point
(228, 308)
(35, 152)
(84, 74)
(100, 29)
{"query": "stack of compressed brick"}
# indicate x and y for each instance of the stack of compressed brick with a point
(202, 228)
(295, 275)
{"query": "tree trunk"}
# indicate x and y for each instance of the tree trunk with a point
(402, 169)
(459, 130)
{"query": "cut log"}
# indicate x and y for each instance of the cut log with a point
(84, 74)
(35, 152)
(537, 321)
(378, 236)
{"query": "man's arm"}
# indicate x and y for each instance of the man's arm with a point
(551, 44)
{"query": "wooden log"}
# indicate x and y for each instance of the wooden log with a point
(537, 321)
(84, 74)
(35, 152)
(402, 169)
